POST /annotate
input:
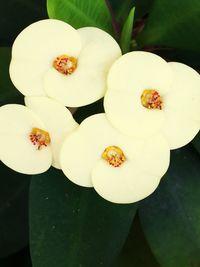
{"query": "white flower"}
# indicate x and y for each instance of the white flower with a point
(121, 169)
(31, 137)
(146, 95)
(51, 58)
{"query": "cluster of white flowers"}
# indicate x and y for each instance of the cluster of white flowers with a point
(151, 106)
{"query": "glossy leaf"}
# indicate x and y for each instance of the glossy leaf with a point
(171, 216)
(173, 24)
(196, 142)
(136, 251)
(15, 15)
(73, 226)
(14, 188)
(8, 93)
(81, 13)
(126, 34)
(122, 8)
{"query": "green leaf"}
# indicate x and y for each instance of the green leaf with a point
(89, 110)
(173, 24)
(196, 142)
(14, 188)
(122, 8)
(8, 93)
(126, 34)
(136, 251)
(15, 15)
(81, 13)
(171, 216)
(73, 226)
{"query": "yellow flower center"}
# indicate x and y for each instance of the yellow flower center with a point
(39, 138)
(151, 99)
(113, 155)
(65, 64)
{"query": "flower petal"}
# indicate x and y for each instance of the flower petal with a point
(126, 113)
(88, 82)
(136, 71)
(182, 108)
(137, 178)
(128, 77)
(16, 149)
(57, 118)
(34, 50)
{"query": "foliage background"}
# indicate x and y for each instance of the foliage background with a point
(165, 230)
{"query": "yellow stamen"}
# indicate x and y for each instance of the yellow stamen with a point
(65, 64)
(39, 138)
(113, 155)
(151, 99)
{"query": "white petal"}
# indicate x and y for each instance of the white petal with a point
(128, 77)
(125, 112)
(136, 71)
(34, 50)
(83, 148)
(181, 106)
(58, 120)
(88, 82)
(136, 178)
(16, 149)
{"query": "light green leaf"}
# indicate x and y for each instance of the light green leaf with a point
(81, 13)
(171, 216)
(14, 188)
(173, 24)
(127, 30)
(73, 226)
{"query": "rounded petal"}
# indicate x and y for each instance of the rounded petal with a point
(88, 82)
(181, 106)
(35, 49)
(128, 77)
(127, 114)
(137, 178)
(137, 71)
(16, 149)
(58, 120)
(83, 148)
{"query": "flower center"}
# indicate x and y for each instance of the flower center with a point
(39, 138)
(65, 64)
(113, 155)
(151, 99)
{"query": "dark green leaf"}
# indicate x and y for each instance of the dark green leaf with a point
(81, 13)
(173, 24)
(15, 15)
(86, 111)
(126, 34)
(196, 142)
(171, 216)
(14, 188)
(136, 251)
(122, 8)
(8, 93)
(73, 226)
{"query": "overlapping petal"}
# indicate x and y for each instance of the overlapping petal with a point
(16, 149)
(177, 84)
(57, 119)
(36, 48)
(137, 177)
(128, 77)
